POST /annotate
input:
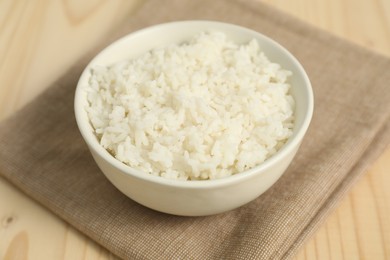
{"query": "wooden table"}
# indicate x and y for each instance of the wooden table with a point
(39, 40)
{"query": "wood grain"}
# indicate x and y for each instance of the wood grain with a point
(34, 35)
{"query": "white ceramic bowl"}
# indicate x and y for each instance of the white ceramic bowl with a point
(195, 198)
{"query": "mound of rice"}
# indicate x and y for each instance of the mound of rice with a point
(204, 109)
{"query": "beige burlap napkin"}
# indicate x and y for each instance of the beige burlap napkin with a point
(42, 152)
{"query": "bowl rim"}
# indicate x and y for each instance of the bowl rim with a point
(92, 142)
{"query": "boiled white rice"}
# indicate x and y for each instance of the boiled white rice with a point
(204, 109)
